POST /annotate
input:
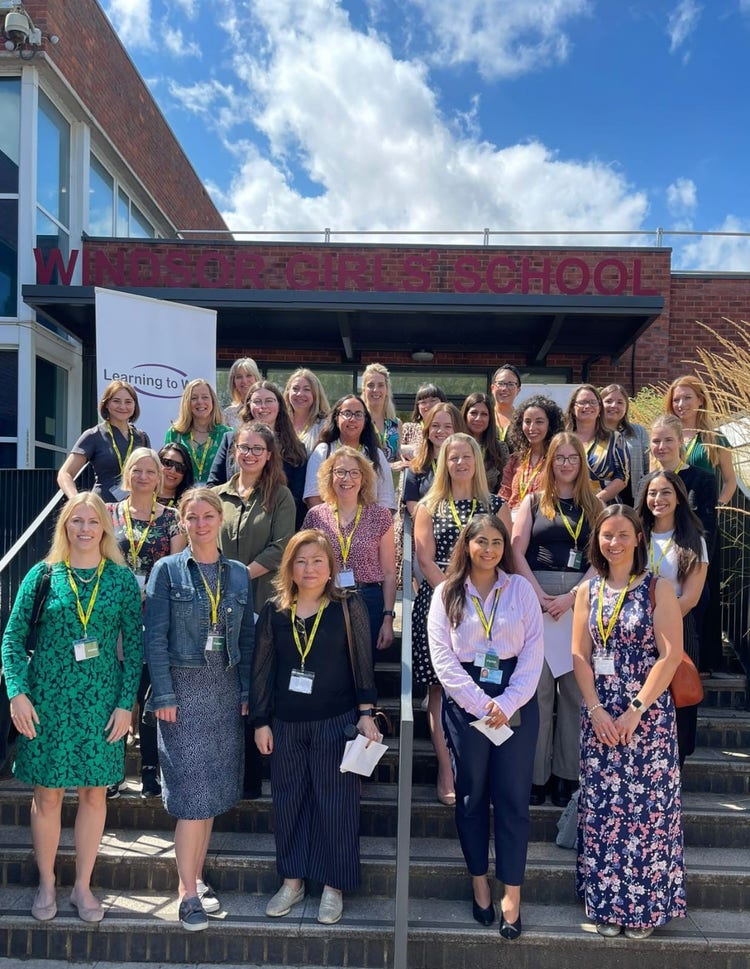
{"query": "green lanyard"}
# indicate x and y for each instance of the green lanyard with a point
(575, 535)
(84, 616)
(653, 562)
(605, 634)
(345, 544)
(454, 512)
(131, 439)
(213, 599)
(486, 623)
(135, 550)
(303, 654)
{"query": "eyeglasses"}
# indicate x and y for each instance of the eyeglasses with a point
(506, 384)
(352, 415)
(256, 449)
(563, 459)
(343, 473)
(266, 402)
(177, 466)
(586, 403)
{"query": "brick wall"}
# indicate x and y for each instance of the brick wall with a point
(711, 300)
(97, 67)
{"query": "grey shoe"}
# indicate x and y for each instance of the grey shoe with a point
(638, 933)
(331, 906)
(608, 929)
(283, 900)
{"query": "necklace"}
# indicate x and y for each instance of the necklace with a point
(81, 579)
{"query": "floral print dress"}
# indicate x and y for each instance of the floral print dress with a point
(631, 868)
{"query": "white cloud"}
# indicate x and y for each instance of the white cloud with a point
(174, 41)
(132, 22)
(188, 8)
(723, 253)
(504, 38)
(681, 23)
(682, 197)
(371, 149)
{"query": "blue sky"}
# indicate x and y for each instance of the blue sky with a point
(437, 115)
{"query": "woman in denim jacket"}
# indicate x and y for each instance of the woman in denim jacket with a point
(199, 639)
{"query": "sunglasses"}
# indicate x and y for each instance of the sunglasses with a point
(174, 465)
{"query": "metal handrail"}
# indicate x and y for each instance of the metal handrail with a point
(405, 757)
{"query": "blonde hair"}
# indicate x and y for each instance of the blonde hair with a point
(283, 582)
(320, 407)
(437, 498)
(378, 368)
(135, 457)
(368, 490)
(248, 365)
(59, 550)
(184, 422)
(666, 420)
(199, 494)
(583, 496)
(705, 418)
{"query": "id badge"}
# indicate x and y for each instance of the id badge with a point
(604, 665)
(491, 672)
(215, 643)
(575, 559)
(301, 682)
(85, 649)
(345, 579)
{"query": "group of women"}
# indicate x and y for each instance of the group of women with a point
(255, 556)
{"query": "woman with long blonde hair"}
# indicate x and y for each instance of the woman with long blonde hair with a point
(199, 427)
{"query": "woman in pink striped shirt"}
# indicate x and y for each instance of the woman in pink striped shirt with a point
(486, 644)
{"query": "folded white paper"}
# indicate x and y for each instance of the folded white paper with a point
(498, 735)
(359, 758)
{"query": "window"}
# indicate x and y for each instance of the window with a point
(52, 178)
(111, 210)
(51, 414)
(8, 407)
(10, 147)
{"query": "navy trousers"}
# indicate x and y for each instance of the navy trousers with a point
(501, 776)
(315, 806)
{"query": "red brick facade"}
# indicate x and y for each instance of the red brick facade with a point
(96, 66)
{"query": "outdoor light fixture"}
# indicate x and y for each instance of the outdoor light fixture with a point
(19, 30)
(422, 356)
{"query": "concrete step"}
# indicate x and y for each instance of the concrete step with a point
(142, 928)
(236, 862)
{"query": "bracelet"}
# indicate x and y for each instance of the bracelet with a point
(573, 591)
(596, 706)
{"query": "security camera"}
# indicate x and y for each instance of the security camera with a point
(18, 27)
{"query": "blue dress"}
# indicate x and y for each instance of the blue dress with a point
(631, 868)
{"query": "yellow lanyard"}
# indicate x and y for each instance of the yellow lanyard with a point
(135, 550)
(525, 481)
(115, 448)
(345, 544)
(84, 616)
(303, 654)
(486, 623)
(213, 599)
(454, 512)
(605, 634)
(200, 463)
(434, 466)
(656, 564)
(575, 535)
(691, 446)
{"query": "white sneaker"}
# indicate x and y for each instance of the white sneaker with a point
(208, 897)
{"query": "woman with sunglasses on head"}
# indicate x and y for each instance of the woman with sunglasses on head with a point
(505, 387)
(533, 426)
(199, 427)
(145, 531)
(441, 421)
(308, 406)
(485, 633)
(107, 446)
(411, 431)
(361, 534)
(478, 413)
(242, 375)
(312, 679)
(176, 473)
(627, 645)
(606, 454)
(458, 492)
(550, 549)
(677, 551)
(350, 423)
(615, 407)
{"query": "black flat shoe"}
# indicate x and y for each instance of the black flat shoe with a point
(485, 916)
(510, 931)
(563, 792)
(538, 794)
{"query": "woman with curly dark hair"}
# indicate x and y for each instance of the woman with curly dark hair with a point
(534, 425)
(350, 423)
(478, 412)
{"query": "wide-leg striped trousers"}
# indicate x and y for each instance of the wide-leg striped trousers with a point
(315, 806)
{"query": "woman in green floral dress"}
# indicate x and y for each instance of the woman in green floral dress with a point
(71, 702)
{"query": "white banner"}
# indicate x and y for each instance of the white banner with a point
(156, 346)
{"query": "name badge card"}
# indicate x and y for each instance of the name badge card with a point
(85, 649)
(345, 579)
(489, 664)
(301, 682)
(604, 665)
(215, 643)
(575, 559)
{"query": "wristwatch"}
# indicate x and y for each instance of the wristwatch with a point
(367, 713)
(390, 612)
(637, 705)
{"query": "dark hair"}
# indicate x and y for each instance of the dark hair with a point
(188, 478)
(290, 447)
(688, 529)
(272, 476)
(640, 554)
(517, 440)
(459, 566)
(625, 426)
(602, 432)
(495, 451)
(426, 390)
(368, 438)
(514, 370)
